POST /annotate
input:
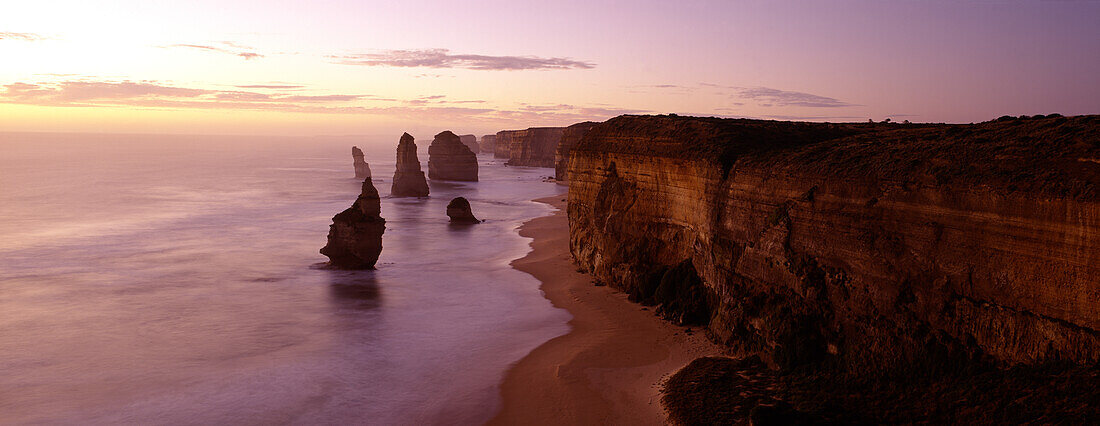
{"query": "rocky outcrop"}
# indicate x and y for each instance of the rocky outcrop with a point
(459, 211)
(868, 247)
(362, 169)
(471, 142)
(408, 178)
(488, 143)
(534, 147)
(355, 236)
(503, 147)
(449, 159)
(569, 137)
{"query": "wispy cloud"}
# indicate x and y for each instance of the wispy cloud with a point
(270, 86)
(774, 97)
(4, 35)
(443, 58)
(158, 95)
(226, 47)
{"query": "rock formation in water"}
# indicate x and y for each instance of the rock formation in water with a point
(534, 147)
(569, 137)
(488, 143)
(362, 169)
(355, 236)
(459, 211)
(471, 142)
(869, 247)
(408, 178)
(449, 159)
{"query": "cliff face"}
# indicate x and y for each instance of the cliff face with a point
(408, 178)
(362, 169)
(355, 236)
(450, 159)
(503, 147)
(534, 147)
(569, 137)
(471, 142)
(488, 143)
(868, 247)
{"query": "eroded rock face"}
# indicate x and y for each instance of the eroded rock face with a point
(569, 137)
(449, 159)
(503, 147)
(362, 169)
(408, 178)
(868, 247)
(355, 236)
(534, 147)
(488, 143)
(471, 142)
(459, 211)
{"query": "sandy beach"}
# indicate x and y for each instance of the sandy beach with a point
(609, 368)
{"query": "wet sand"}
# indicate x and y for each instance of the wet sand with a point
(609, 368)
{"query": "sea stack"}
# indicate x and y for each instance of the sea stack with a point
(362, 169)
(449, 159)
(459, 211)
(488, 143)
(471, 142)
(355, 236)
(408, 179)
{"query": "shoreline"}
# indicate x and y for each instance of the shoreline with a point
(610, 365)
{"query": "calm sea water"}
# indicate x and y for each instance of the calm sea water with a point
(173, 280)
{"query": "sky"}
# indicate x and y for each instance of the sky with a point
(342, 67)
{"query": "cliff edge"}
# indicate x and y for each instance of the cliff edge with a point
(868, 247)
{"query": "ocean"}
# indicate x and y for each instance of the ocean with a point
(176, 280)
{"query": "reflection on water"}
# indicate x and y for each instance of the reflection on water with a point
(171, 280)
(354, 290)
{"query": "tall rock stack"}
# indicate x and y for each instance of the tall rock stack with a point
(355, 236)
(569, 137)
(408, 179)
(488, 143)
(471, 142)
(449, 159)
(362, 169)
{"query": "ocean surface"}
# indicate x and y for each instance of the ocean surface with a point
(175, 280)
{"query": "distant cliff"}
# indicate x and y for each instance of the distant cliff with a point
(488, 143)
(570, 137)
(534, 147)
(865, 246)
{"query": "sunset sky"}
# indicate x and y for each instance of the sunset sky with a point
(382, 67)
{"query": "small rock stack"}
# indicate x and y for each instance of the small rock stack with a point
(355, 236)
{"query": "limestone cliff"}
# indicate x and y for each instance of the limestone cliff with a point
(503, 147)
(534, 147)
(471, 142)
(355, 236)
(488, 143)
(868, 247)
(449, 159)
(408, 178)
(362, 169)
(569, 137)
